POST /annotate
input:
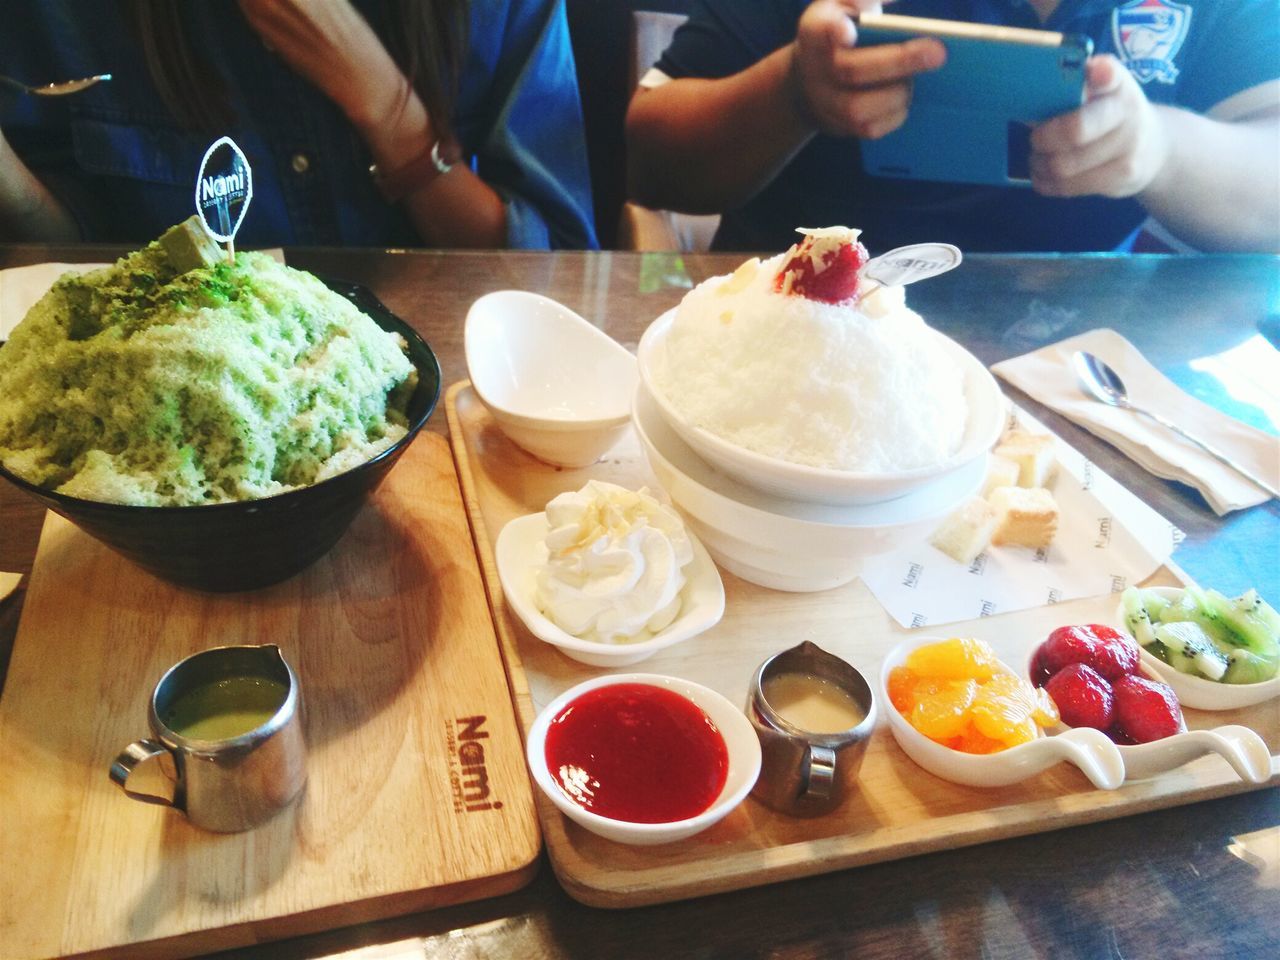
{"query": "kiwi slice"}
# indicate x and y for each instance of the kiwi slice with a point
(1189, 649)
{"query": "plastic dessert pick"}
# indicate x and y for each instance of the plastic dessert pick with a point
(224, 189)
(917, 261)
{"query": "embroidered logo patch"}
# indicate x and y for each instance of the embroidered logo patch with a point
(1148, 34)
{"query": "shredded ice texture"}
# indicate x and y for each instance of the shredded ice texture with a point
(143, 383)
(860, 386)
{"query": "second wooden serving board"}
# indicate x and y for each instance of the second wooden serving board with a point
(898, 810)
(391, 637)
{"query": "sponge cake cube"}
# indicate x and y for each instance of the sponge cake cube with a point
(966, 533)
(1032, 452)
(1026, 517)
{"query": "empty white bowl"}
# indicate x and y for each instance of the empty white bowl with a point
(1197, 692)
(1242, 748)
(781, 478)
(739, 737)
(516, 555)
(1090, 750)
(782, 544)
(558, 387)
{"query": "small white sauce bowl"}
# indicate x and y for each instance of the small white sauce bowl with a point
(794, 481)
(558, 387)
(1197, 692)
(516, 555)
(1242, 748)
(1090, 750)
(785, 544)
(739, 737)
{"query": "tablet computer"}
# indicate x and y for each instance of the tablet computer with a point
(969, 122)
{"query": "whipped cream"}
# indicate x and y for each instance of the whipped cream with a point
(614, 564)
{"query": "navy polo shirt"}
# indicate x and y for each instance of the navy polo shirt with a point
(1209, 56)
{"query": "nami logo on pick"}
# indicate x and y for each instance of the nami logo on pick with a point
(224, 188)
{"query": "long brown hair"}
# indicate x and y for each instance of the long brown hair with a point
(426, 38)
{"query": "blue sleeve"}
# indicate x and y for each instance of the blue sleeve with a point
(530, 146)
(1237, 49)
(724, 37)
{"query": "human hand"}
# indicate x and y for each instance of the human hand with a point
(847, 91)
(1115, 145)
(331, 45)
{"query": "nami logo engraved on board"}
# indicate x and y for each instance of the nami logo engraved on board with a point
(468, 772)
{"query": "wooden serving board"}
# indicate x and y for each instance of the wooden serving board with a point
(392, 640)
(899, 809)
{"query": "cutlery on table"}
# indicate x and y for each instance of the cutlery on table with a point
(53, 89)
(1104, 384)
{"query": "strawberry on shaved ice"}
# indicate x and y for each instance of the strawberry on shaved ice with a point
(802, 358)
(823, 266)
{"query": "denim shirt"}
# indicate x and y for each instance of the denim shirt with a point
(126, 170)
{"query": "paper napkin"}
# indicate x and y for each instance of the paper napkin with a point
(20, 287)
(1107, 540)
(1048, 376)
(8, 583)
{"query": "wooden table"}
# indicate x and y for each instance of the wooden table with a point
(1200, 881)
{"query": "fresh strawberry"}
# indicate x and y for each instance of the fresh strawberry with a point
(1040, 672)
(1146, 710)
(1106, 650)
(1083, 696)
(824, 266)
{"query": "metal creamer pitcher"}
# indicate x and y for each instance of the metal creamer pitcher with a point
(803, 772)
(222, 783)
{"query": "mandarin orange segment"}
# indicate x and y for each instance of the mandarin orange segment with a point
(974, 742)
(959, 658)
(941, 710)
(1046, 711)
(902, 689)
(1006, 707)
(956, 693)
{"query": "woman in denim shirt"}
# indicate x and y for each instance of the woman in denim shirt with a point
(315, 93)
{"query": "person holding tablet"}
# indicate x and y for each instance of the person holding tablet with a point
(757, 109)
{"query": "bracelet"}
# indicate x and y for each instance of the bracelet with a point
(418, 172)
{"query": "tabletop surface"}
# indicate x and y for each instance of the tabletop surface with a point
(1201, 881)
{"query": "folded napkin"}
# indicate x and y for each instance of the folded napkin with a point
(1048, 376)
(20, 287)
(8, 583)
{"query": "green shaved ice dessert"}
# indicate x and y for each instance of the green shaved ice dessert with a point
(176, 378)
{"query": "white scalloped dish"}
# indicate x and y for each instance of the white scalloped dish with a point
(1090, 750)
(1242, 748)
(516, 556)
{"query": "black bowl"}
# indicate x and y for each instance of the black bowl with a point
(253, 543)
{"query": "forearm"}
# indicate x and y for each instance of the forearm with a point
(28, 211)
(705, 146)
(1219, 189)
(456, 209)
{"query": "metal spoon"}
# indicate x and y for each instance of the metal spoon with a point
(54, 89)
(917, 261)
(1104, 384)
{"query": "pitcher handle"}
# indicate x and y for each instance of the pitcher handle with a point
(141, 757)
(820, 772)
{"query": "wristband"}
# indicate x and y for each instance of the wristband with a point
(421, 170)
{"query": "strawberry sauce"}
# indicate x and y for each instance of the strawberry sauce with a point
(638, 753)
